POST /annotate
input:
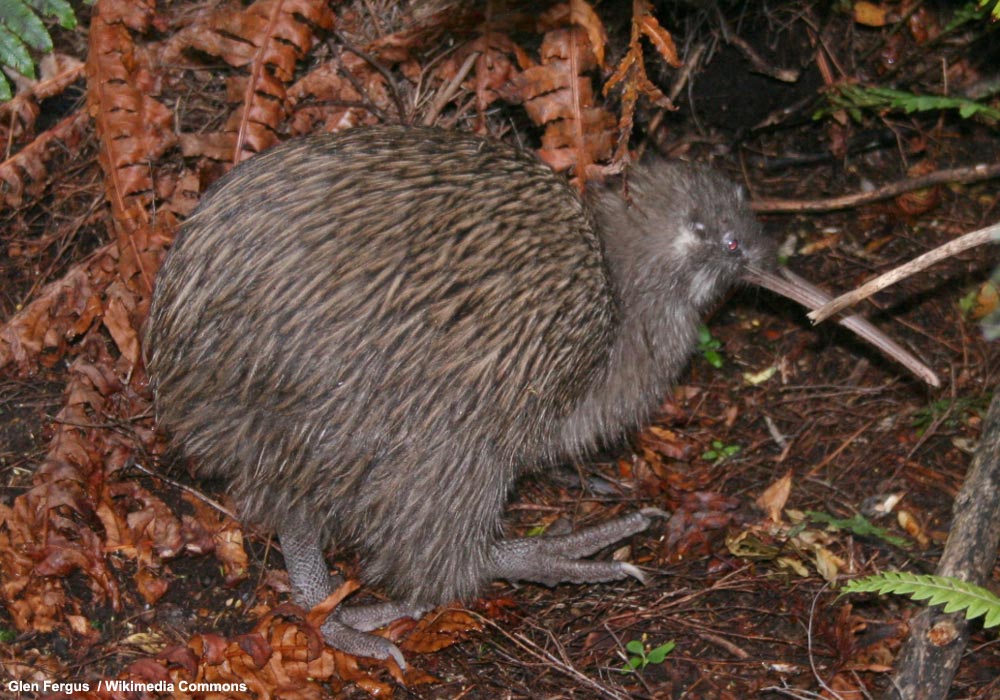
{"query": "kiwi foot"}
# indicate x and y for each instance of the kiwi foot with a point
(559, 559)
(347, 628)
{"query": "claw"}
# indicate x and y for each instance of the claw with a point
(633, 571)
(397, 656)
(655, 513)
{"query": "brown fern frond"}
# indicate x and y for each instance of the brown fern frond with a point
(26, 173)
(559, 95)
(630, 72)
(267, 38)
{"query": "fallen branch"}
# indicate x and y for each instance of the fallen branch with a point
(969, 240)
(974, 173)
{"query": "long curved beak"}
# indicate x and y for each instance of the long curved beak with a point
(812, 297)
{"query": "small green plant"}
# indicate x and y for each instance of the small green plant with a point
(720, 452)
(709, 346)
(7, 635)
(858, 525)
(536, 531)
(21, 28)
(641, 656)
(958, 411)
(984, 301)
(977, 12)
(954, 594)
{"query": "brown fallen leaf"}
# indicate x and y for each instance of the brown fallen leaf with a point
(440, 629)
(775, 496)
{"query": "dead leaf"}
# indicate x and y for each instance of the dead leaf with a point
(986, 300)
(438, 630)
(913, 528)
(267, 38)
(583, 15)
(661, 39)
(870, 14)
(774, 498)
(117, 319)
(26, 173)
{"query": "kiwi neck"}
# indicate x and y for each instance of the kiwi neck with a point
(655, 331)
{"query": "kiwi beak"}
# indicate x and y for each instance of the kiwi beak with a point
(790, 285)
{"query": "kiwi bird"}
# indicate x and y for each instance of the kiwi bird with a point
(370, 335)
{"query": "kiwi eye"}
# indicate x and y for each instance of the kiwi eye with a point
(731, 242)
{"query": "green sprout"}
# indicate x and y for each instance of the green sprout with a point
(709, 347)
(720, 452)
(641, 656)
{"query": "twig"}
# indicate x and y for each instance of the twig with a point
(449, 90)
(812, 297)
(736, 651)
(178, 485)
(757, 62)
(969, 240)
(390, 83)
(793, 692)
(809, 646)
(759, 65)
(691, 62)
(974, 173)
(776, 434)
(843, 446)
(552, 661)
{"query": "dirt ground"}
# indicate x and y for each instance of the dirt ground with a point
(116, 563)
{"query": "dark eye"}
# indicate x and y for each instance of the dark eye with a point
(731, 242)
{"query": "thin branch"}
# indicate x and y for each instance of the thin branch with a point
(390, 83)
(183, 487)
(449, 90)
(974, 173)
(550, 660)
(969, 240)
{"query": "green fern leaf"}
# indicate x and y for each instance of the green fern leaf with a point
(21, 27)
(855, 98)
(14, 53)
(60, 9)
(22, 21)
(955, 595)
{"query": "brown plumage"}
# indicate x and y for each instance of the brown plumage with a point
(370, 335)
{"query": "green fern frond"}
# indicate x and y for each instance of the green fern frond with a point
(22, 28)
(856, 98)
(955, 595)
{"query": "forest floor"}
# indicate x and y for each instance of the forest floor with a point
(115, 561)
